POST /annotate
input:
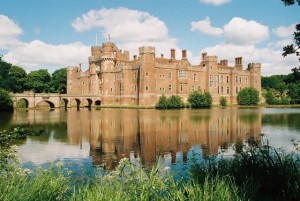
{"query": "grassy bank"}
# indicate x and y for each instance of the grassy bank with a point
(256, 172)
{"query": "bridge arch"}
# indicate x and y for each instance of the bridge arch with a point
(42, 104)
(22, 103)
(65, 102)
(97, 103)
(78, 102)
(88, 103)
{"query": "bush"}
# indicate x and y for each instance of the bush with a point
(6, 102)
(199, 100)
(172, 102)
(248, 96)
(223, 101)
(272, 100)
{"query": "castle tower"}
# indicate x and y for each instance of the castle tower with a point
(255, 75)
(72, 74)
(147, 81)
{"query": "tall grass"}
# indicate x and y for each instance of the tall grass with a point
(260, 171)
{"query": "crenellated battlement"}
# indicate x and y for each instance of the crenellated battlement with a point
(147, 49)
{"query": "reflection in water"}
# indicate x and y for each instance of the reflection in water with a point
(113, 134)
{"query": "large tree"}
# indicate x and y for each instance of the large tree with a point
(59, 81)
(295, 47)
(4, 71)
(39, 81)
(17, 80)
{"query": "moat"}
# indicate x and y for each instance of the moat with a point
(91, 137)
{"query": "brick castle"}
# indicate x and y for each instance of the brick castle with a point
(118, 80)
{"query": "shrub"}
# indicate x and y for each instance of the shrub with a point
(172, 102)
(6, 102)
(223, 101)
(199, 100)
(248, 96)
(272, 100)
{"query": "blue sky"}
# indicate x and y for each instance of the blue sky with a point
(56, 33)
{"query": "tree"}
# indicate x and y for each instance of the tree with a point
(17, 80)
(4, 71)
(6, 103)
(223, 101)
(248, 96)
(59, 81)
(172, 102)
(39, 81)
(295, 47)
(199, 100)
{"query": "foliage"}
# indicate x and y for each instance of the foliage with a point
(172, 102)
(6, 102)
(200, 100)
(59, 81)
(294, 92)
(259, 170)
(223, 101)
(272, 100)
(4, 72)
(39, 80)
(248, 96)
(16, 80)
(295, 47)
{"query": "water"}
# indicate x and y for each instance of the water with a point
(91, 137)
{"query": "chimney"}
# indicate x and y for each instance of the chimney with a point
(162, 56)
(172, 53)
(238, 61)
(184, 55)
(204, 55)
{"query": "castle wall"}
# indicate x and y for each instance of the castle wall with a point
(141, 81)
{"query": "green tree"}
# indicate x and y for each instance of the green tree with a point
(6, 103)
(293, 48)
(39, 81)
(223, 101)
(17, 79)
(294, 92)
(199, 100)
(59, 81)
(4, 71)
(175, 101)
(162, 102)
(248, 96)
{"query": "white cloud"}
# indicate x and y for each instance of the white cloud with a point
(272, 61)
(123, 24)
(215, 2)
(242, 32)
(9, 32)
(129, 29)
(284, 32)
(37, 54)
(204, 26)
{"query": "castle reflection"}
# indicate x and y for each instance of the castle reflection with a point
(117, 133)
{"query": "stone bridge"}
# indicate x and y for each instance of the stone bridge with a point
(33, 100)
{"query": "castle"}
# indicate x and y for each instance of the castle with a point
(118, 80)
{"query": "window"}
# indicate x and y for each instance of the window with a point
(182, 74)
(134, 87)
(170, 75)
(146, 88)
(222, 78)
(146, 74)
(195, 77)
(211, 81)
(221, 90)
(227, 79)
(227, 90)
(236, 79)
(181, 87)
(193, 88)
(170, 87)
(134, 75)
(237, 90)
(246, 80)
(240, 80)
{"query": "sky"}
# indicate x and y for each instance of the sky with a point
(52, 34)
